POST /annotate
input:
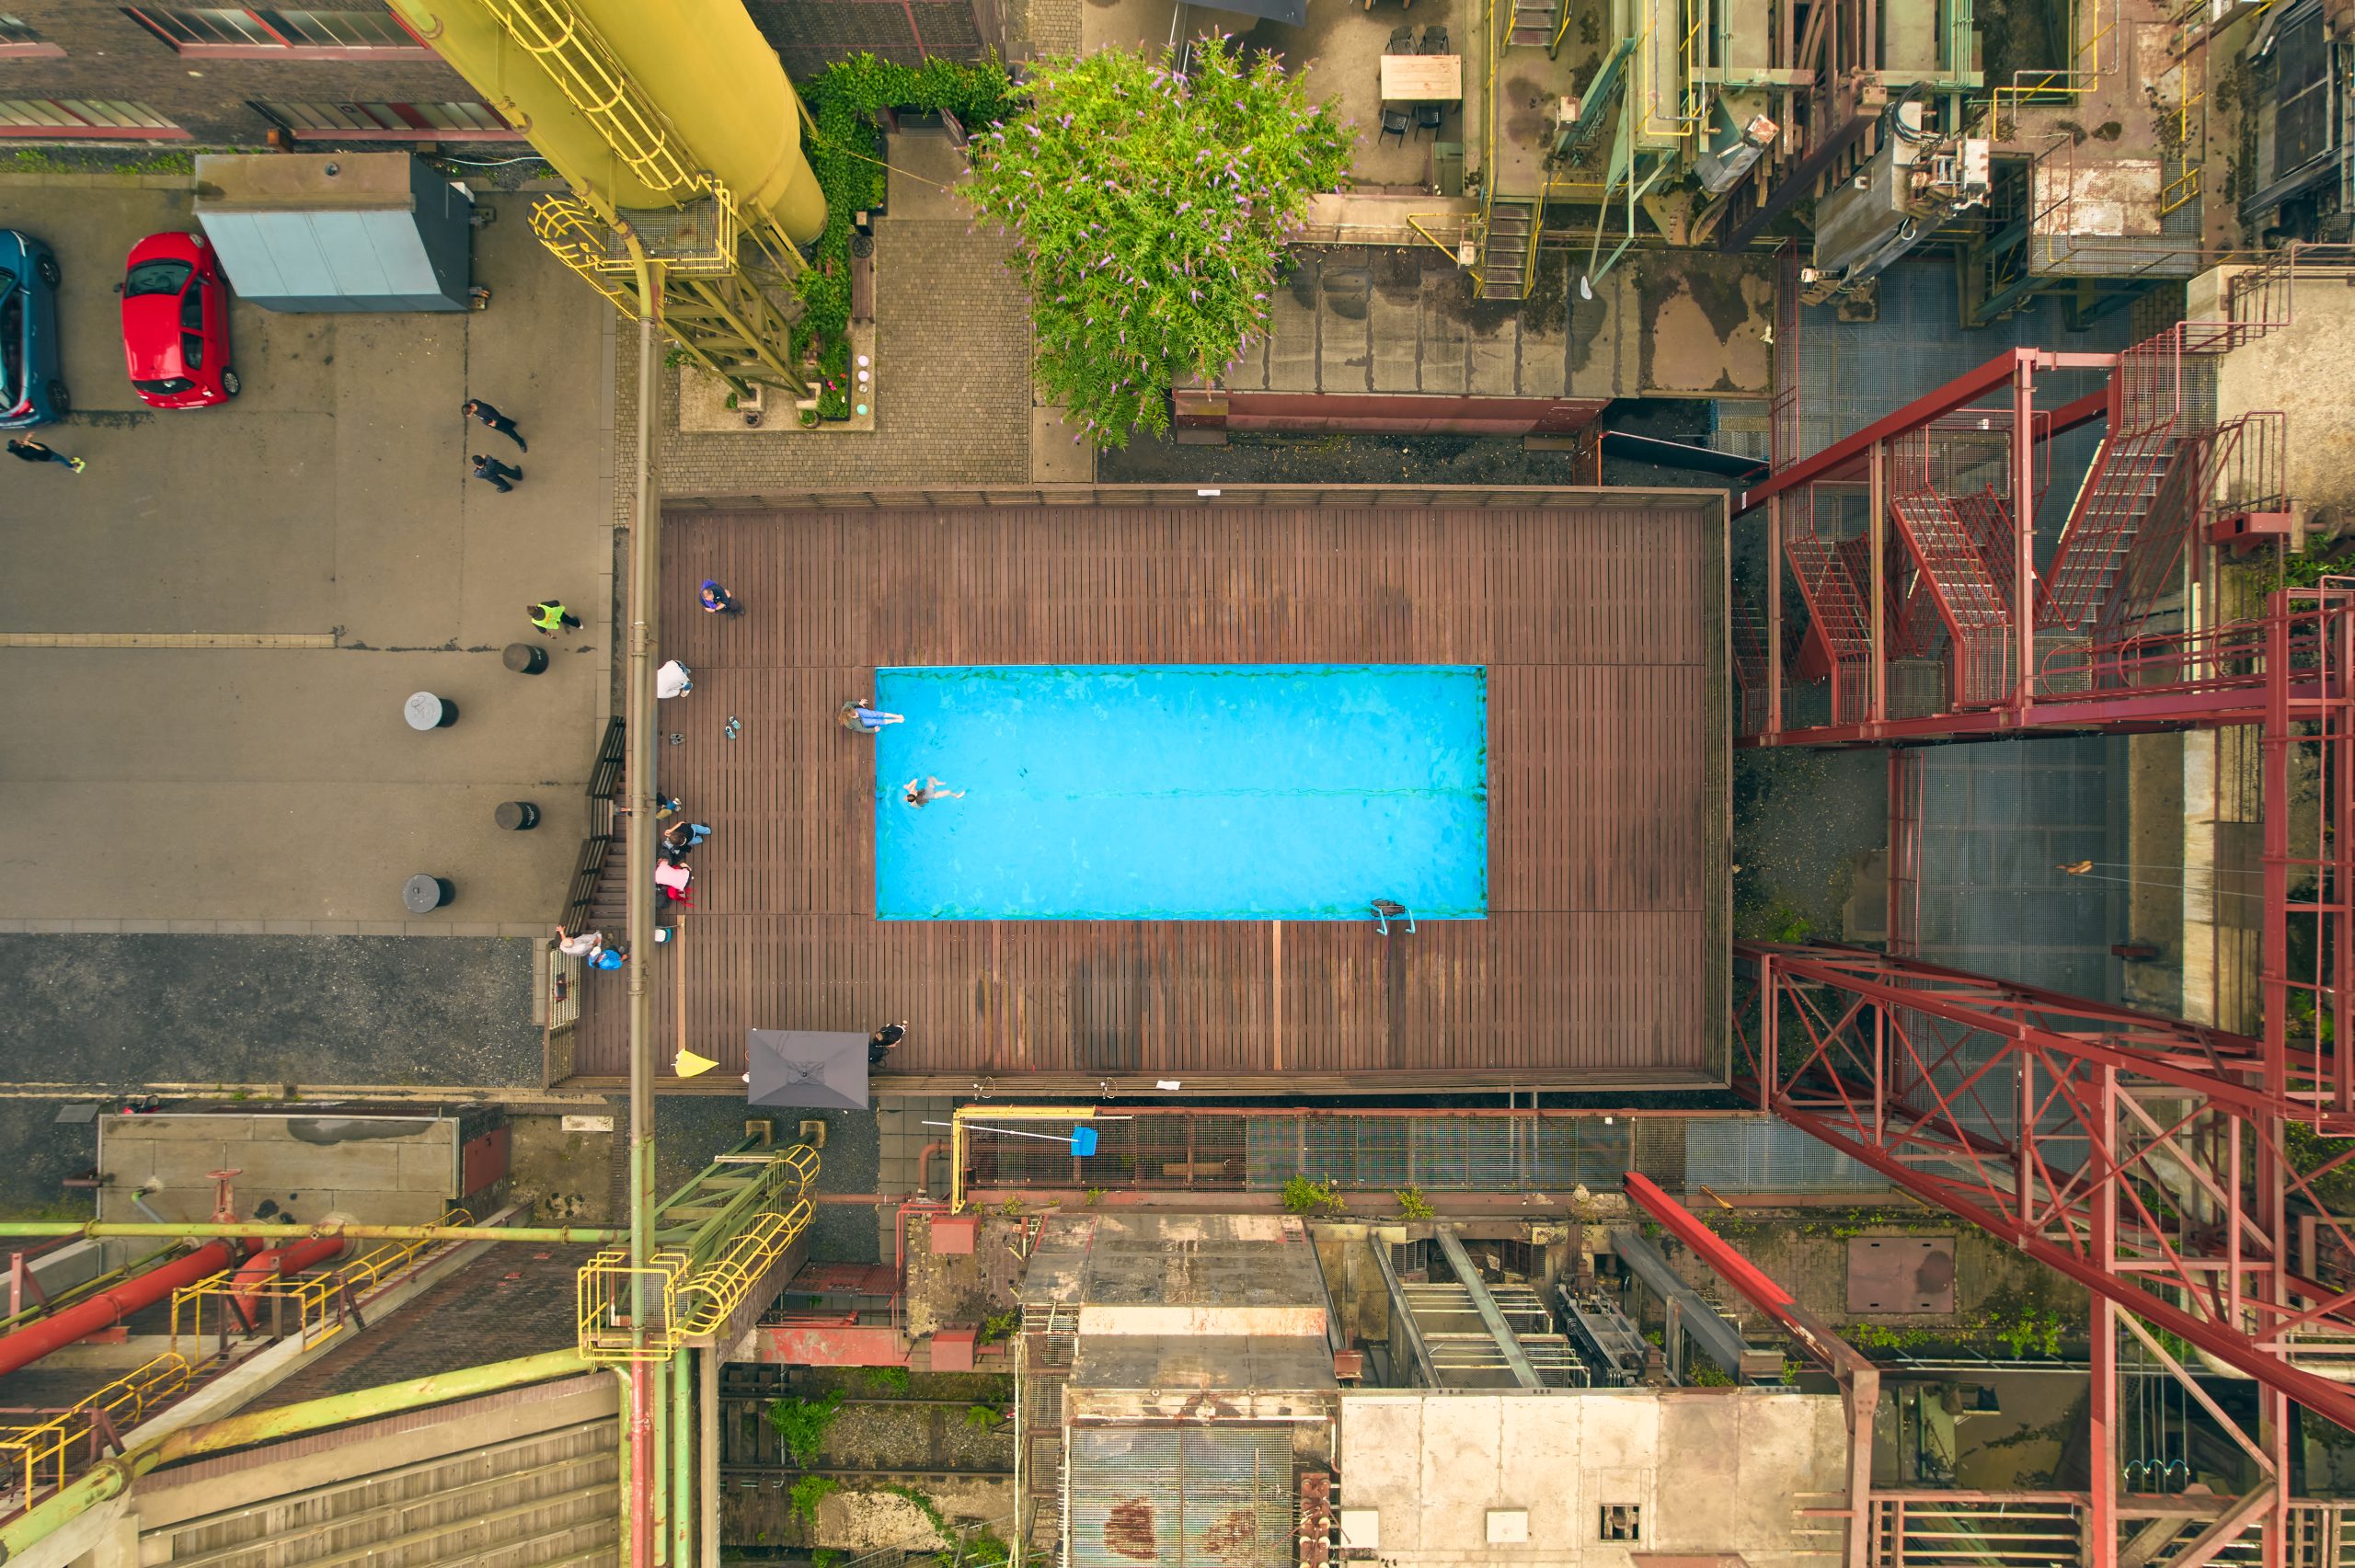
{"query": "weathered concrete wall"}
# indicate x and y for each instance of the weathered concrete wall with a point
(1708, 1470)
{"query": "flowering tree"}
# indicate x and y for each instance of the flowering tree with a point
(1149, 207)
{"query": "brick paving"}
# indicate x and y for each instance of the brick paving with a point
(953, 363)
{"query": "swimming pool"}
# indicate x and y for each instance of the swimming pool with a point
(1183, 792)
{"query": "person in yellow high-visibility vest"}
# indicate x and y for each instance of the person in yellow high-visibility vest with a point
(551, 617)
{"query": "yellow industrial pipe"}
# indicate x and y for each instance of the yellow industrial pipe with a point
(470, 40)
(719, 84)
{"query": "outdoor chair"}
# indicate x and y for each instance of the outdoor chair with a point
(1394, 124)
(1431, 117)
(1435, 41)
(1402, 41)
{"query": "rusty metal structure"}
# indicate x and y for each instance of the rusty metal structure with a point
(2158, 1163)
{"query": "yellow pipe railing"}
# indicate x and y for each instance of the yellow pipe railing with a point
(960, 1139)
(317, 1299)
(1415, 221)
(41, 1455)
(682, 1301)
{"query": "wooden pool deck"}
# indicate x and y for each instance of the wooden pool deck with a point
(1601, 616)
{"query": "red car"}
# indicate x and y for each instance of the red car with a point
(176, 323)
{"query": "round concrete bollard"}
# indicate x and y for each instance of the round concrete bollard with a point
(517, 815)
(525, 659)
(425, 711)
(424, 894)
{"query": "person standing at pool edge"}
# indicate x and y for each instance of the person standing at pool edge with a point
(931, 792)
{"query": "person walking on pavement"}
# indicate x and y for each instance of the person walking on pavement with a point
(32, 450)
(498, 472)
(551, 617)
(884, 1041)
(579, 943)
(497, 421)
(717, 601)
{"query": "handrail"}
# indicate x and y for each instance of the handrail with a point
(322, 1301)
(1494, 44)
(40, 1454)
(1415, 221)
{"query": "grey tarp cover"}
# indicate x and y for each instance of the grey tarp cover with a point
(820, 1068)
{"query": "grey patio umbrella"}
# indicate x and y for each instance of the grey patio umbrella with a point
(819, 1068)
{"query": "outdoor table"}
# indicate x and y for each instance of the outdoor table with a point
(1422, 78)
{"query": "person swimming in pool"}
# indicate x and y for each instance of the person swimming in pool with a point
(930, 792)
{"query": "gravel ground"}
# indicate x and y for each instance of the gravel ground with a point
(130, 1010)
(1800, 818)
(127, 1011)
(41, 1154)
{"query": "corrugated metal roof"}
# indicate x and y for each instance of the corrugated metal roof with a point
(1180, 1496)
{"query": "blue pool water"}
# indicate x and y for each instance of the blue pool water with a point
(1183, 792)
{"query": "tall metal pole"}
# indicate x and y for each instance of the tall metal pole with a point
(637, 709)
(683, 1449)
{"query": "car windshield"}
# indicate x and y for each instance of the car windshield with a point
(168, 384)
(156, 277)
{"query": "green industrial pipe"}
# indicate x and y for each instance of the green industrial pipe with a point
(661, 1372)
(471, 42)
(113, 1476)
(571, 1235)
(719, 84)
(683, 1449)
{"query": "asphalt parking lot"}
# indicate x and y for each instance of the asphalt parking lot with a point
(251, 785)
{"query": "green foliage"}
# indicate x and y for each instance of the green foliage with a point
(810, 1490)
(1092, 1196)
(2309, 1150)
(1302, 1195)
(801, 1424)
(997, 1326)
(1784, 923)
(842, 100)
(825, 1557)
(1413, 1204)
(929, 1510)
(1704, 1373)
(983, 1546)
(2032, 1329)
(981, 1417)
(1149, 210)
(889, 1379)
(2304, 571)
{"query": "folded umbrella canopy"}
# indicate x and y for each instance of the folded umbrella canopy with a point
(816, 1068)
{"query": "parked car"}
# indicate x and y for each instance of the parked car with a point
(176, 323)
(33, 391)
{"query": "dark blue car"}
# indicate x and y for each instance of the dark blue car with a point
(32, 370)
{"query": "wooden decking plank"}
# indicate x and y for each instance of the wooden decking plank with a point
(1591, 622)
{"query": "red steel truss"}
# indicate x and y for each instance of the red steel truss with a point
(2153, 1162)
(2141, 1157)
(1931, 608)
